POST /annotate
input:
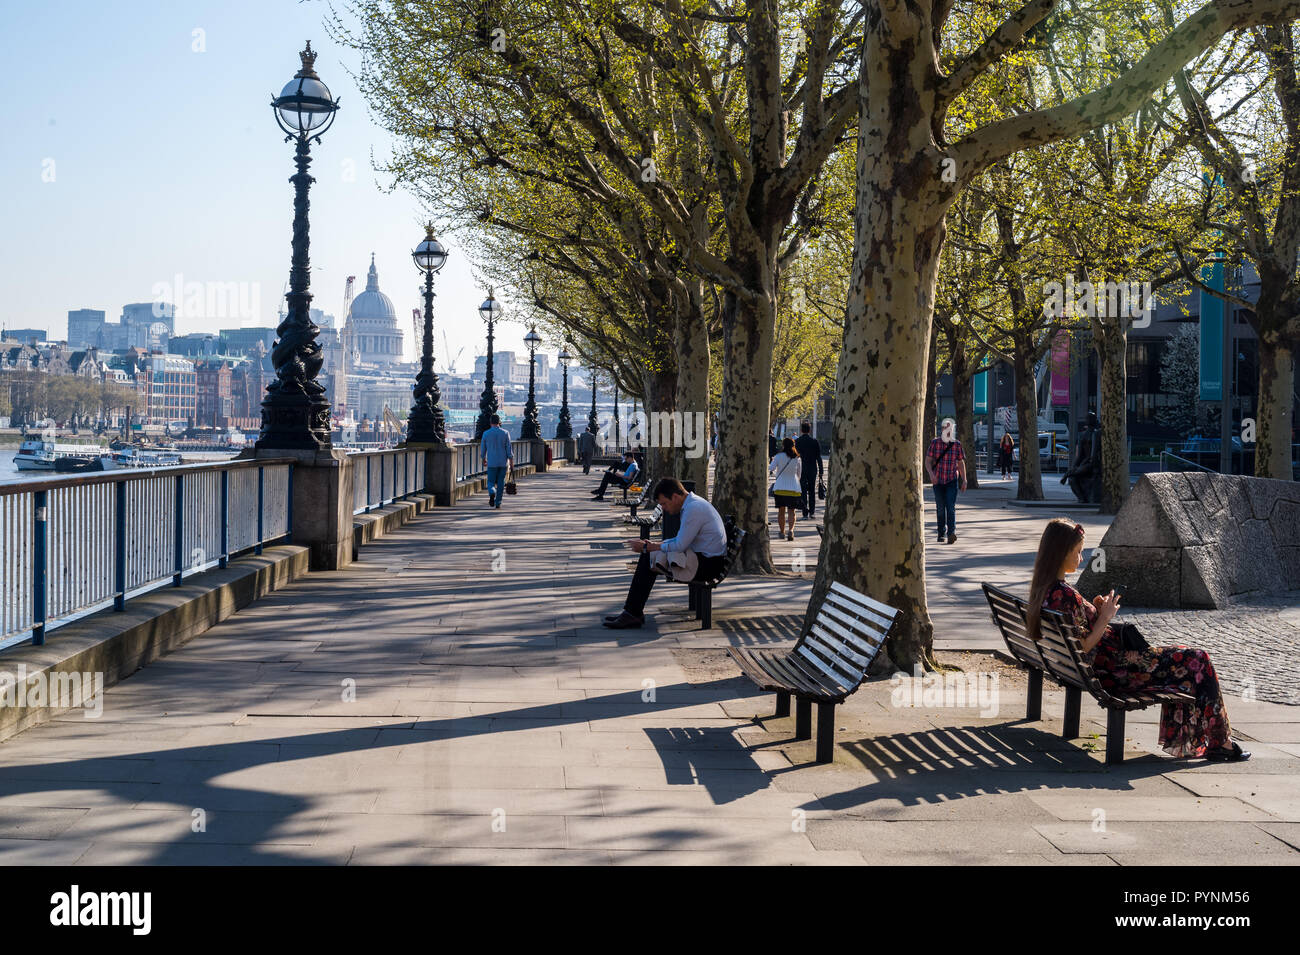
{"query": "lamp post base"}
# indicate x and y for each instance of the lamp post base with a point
(295, 422)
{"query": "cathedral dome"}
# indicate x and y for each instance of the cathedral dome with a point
(372, 303)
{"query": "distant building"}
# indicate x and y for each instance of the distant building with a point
(24, 336)
(169, 386)
(372, 323)
(242, 341)
(86, 327)
(213, 393)
(196, 345)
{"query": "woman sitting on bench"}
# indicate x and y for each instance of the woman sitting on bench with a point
(1186, 729)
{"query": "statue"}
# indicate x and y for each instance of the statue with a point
(1084, 475)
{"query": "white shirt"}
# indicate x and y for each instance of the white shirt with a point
(787, 473)
(701, 529)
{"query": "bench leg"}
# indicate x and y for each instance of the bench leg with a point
(1034, 708)
(782, 705)
(645, 532)
(803, 719)
(690, 597)
(1114, 737)
(1073, 698)
(706, 608)
(825, 732)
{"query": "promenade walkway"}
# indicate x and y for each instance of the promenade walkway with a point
(452, 698)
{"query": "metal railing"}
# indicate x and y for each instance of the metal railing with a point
(71, 546)
(523, 452)
(469, 461)
(381, 477)
(1173, 462)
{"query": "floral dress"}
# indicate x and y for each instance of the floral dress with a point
(1186, 729)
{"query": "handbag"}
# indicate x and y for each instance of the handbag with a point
(821, 490)
(1130, 638)
(511, 487)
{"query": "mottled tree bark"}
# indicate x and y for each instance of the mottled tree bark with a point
(929, 426)
(1024, 356)
(1112, 350)
(691, 343)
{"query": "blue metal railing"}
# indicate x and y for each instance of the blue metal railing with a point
(382, 477)
(71, 546)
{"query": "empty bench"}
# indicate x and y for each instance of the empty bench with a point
(1059, 653)
(826, 666)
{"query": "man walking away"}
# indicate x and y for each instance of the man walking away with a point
(696, 553)
(810, 449)
(622, 478)
(586, 449)
(773, 445)
(498, 455)
(945, 463)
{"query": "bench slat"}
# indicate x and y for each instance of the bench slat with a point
(839, 679)
(835, 651)
(850, 594)
(854, 610)
(792, 668)
(865, 638)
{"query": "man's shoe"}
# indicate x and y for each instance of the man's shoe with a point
(941, 537)
(598, 497)
(952, 538)
(625, 621)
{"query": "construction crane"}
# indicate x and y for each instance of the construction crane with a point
(417, 327)
(451, 363)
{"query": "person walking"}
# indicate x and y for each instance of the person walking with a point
(945, 463)
(586, 449)
(1005, 453)
(1197, 728)
(786, 490)
(809, 449)
(498, 458)
(696, 553)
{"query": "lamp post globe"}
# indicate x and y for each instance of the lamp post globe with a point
(489, 311)
(530, 428)
(425, 424)
(564, 430)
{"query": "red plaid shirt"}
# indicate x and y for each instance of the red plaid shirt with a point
(945, 460)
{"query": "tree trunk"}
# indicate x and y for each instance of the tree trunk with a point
(660, 389)
(691, 342)
(874, 529)
(1112, 349)
(964, 405)
(740, 479)
(1030, 487)
(1273, 429)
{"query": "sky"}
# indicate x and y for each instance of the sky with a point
(139, 154)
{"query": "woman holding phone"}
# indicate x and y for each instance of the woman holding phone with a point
(1186, 729)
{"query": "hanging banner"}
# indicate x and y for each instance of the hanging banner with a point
(1212, 319)
(1061, 369)
(980, 388)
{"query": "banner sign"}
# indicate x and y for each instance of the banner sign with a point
(1212, 319)
(980, 387)
(1061, 368)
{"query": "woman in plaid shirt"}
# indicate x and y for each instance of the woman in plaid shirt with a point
(945, 463)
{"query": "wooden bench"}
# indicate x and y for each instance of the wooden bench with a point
(700, 592)
(826, 666)
(646, 522)
(1060, 655)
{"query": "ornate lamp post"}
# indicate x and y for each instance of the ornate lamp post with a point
(295, 411)
(564, 429)
(489, 311)
(425, 424)
(593, 423)
(618, 437)
(530, 428)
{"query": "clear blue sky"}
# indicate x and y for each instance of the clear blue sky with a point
(168, 161)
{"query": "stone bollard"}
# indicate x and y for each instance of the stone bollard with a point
(570, 450)
(322, 503)
(539, 455)
(440, 475)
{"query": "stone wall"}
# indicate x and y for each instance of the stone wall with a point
(1198, 539)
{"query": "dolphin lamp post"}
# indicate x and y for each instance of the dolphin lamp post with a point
(426, 425)
(529, 429)
(296, 411)
(490, 312)
(564, 430)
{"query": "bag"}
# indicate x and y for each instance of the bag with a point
(821, 490)
(1130, 638)
(511, 488)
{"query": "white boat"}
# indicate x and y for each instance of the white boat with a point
(138, 458)
(40, 454)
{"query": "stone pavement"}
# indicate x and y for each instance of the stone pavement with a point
(452, 698)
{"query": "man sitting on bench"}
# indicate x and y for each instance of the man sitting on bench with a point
(622, 478)
(696, 553)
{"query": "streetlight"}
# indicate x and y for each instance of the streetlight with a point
(489, 311)
(425, 424)
(295, 411)
(530, 429)
(593, 423)
(564, 430)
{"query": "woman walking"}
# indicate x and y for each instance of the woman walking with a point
(787, 490)
(1005, 452)
(1186, 729)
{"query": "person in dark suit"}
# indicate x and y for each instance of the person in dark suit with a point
(773, 445)
(586, 449)
(810, 449)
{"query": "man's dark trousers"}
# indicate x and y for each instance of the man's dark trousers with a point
(644, 579)
(808, 487)
(610, 478)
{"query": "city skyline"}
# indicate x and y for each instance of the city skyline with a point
(179, 176)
